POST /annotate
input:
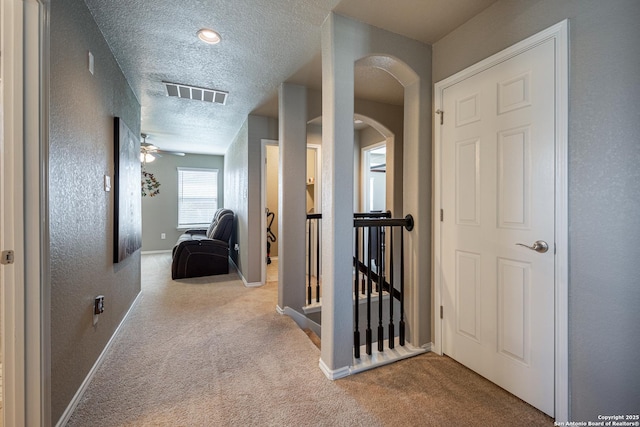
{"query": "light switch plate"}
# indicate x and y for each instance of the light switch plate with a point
(107, 183)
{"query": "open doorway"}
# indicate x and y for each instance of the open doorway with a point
(270, 203)
(374, 178)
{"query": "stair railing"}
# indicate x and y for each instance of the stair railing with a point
(370, 273)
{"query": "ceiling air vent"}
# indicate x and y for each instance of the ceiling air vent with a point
(196, 93)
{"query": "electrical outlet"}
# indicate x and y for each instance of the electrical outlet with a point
(98, 308)
(98, 304)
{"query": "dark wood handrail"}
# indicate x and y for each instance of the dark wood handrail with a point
(406, 222)
(360, 215)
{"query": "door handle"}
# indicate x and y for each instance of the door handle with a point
(538, 246)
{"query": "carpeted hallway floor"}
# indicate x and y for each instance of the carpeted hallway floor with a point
(210, 352)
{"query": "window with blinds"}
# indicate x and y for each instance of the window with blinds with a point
(197, 196)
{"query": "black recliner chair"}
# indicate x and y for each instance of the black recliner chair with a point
(204, 252)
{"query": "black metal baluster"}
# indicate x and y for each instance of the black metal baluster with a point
(318, 260)
(401, 331)
(381, 261)
(392, 340)
(356, 331)
(364, 281)
(309, 265)
(369, 289)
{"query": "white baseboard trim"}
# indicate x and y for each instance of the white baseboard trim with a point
(279, 309)
(244, 281)
(366, 362)
(64, 419)
(376, 359)
(251, 284)
(164, 251)
(334, 374)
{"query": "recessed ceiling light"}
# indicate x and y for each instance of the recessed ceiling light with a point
(209, 36)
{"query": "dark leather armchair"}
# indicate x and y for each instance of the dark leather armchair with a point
(204, 252)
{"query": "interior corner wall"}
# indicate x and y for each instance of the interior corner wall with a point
(81, 213)
(242, 193)
(604, 195)
(160, 212)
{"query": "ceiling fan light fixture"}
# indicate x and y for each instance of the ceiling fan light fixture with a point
(146, 158)
(209, 36)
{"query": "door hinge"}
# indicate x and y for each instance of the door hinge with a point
(441, 215)
(441, 113)
(441, 312)
(8, 257)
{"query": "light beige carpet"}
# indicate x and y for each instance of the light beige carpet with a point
(210, 352)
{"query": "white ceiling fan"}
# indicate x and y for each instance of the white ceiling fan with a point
(149, 152)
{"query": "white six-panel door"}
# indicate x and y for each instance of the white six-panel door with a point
(498, 147)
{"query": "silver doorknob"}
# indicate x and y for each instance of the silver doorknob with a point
(538, 246)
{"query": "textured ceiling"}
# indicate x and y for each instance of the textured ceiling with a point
(263, 44)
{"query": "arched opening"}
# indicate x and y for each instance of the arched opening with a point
(348, 47)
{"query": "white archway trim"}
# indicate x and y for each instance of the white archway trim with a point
(392, 65)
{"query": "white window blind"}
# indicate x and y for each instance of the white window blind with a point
(197, 196)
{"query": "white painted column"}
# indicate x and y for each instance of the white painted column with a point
(337, 198)
(292, 196)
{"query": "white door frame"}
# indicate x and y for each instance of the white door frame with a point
(559, 33)
(263, 204)
(24, 211)
(263, 194)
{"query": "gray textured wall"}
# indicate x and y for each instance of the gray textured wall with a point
(81, 212)
(604, 177)
(236, 175)
(242, 192)
(160, 213)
